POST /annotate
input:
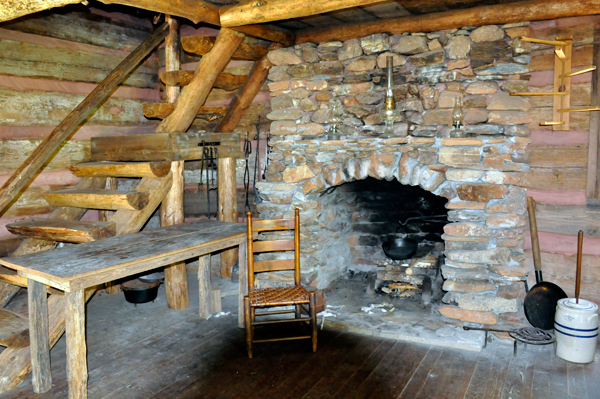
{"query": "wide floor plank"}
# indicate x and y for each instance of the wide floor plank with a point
(152, 352)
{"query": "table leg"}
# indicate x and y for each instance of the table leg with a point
(243, 287)
(204, 285)
(76, 348)
(38, 336)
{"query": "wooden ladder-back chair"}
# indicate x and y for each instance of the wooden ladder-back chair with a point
(295, 295)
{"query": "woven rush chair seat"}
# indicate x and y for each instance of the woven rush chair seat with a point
(275, 239)
(278, 296)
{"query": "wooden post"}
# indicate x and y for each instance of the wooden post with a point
(171, 209)
(77, 373)
(48, 147)
(215, 299)
(112, 287)
(592, 188)
(227, 182)
(227, 208)
(38, 337)
(204, 285)
(193, 95)
(243, 287)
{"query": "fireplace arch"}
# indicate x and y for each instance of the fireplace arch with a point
(484, 240)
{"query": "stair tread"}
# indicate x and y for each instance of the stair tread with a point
(98, 199)
(14, 329)
(121, 169)
(100, 191)
(64, 230)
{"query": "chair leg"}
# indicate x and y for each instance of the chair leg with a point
(313, 319)
(253, 318)
(298, 313)
(249, 326)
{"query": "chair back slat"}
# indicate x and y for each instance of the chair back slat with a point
(273, 246)
(255, 226)
(272, 225)
(273, 265)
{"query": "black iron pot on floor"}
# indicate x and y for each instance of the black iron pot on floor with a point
(137, 291)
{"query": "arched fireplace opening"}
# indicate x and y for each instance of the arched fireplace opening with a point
(386, 234)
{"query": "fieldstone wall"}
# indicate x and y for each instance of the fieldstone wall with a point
(481, 174)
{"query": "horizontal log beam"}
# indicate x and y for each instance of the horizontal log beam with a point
(271, 33)
(98, 199)
(275, 10)
(532, 10)
(194, 10)
(163, 146)
(568, 219)
(201, 45)
(118, 169)
(162, 110)
(225, 81)
(12, 9)
(202, 11)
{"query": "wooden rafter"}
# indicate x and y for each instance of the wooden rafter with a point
(256, 12)
(477, 16)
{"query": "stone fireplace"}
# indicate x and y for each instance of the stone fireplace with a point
(479, 174)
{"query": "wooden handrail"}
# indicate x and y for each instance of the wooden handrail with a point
(48, 147)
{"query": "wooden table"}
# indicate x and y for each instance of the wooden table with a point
(74, 268)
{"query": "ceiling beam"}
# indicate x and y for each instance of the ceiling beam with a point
(532, 10)
(430, 6)
(194, 10)
(11, 9)
(203, 11)
(256, 12)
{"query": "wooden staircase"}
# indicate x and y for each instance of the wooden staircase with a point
(132, 210)
(157, 159)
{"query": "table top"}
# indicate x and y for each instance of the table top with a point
(84, 265)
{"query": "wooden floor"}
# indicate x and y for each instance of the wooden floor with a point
(152, 352)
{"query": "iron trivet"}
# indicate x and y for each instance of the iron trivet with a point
(527, 335)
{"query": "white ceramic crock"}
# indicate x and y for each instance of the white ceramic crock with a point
(576, 328)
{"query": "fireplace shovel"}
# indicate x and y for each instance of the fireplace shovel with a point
(540, 302)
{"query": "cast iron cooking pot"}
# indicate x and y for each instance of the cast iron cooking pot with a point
(400, 248)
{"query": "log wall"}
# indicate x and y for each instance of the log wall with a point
(559, 162)
(49, 62)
